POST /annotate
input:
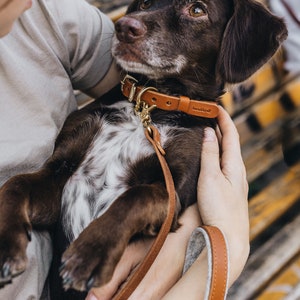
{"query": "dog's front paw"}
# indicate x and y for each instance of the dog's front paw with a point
(91, 259)
(86, 264)
(14, 238)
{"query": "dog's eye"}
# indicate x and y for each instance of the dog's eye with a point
(145, 4)
(196, 10)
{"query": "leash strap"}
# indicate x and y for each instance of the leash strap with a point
(219, 256)
(219, 263)
(154, 139)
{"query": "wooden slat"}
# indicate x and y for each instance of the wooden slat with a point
(110, 6)
(263, 81)
(286, 285)
(274, 200)
(244, 123)
(264, 151)
(268, 111)
(266, 261)
(117, 13)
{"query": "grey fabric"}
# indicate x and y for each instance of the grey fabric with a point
(55, 47)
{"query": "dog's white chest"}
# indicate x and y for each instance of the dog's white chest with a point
(100, 178)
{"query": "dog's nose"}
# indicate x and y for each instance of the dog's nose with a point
(129, 29)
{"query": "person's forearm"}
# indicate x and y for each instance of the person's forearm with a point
(239, 249)
(171, 257)
(109, 81)
(193, 283)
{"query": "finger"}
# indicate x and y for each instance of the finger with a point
(219, 134)
(210, 155)
(231, 158)
(227, 128)
(107, 291)
(231, 148)
(130, 259)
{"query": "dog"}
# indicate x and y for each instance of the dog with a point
(104, 184)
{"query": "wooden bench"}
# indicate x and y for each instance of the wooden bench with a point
(268, 121)
(266, 111)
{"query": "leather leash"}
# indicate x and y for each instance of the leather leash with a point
(218, 284)
(143, 98)
(154, 139)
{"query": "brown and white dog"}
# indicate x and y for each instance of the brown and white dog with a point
(104, 183)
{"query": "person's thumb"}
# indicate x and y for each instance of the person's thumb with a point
(210, 156)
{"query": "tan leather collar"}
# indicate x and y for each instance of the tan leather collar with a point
(150, 95)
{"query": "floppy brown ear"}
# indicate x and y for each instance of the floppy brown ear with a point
(250, 39)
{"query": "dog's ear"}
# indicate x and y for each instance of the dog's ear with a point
(250, 39)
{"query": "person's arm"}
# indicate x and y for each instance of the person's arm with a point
(110, 80)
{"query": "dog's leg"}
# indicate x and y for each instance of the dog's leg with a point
(91, 259)
(25, 201)
(34, 200)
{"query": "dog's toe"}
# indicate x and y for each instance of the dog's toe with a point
(75, 273)
(67, 281)
(13, 259)
(12, 268)
(90, 283)
(6, 270)
(5, 275)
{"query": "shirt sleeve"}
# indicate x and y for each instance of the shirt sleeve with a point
(86, 34)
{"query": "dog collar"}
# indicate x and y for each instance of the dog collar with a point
(152, 97)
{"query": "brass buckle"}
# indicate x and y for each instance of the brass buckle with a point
(133, 87)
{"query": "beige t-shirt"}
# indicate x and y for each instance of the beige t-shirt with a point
(55, 47)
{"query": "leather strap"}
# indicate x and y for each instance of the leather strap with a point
(199, 108)
(154, 139)
(218, 285)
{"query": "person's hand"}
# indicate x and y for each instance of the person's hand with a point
(166, 269)
(223, 190)
(222, 201)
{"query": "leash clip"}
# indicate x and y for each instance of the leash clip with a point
(142, 109)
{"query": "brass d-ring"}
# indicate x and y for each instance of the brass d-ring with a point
(142, 91)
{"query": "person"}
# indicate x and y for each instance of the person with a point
(289, 10)
(47, 49)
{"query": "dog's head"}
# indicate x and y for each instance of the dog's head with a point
(214, 41)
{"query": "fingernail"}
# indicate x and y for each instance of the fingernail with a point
(209, 134)
(91, 296)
